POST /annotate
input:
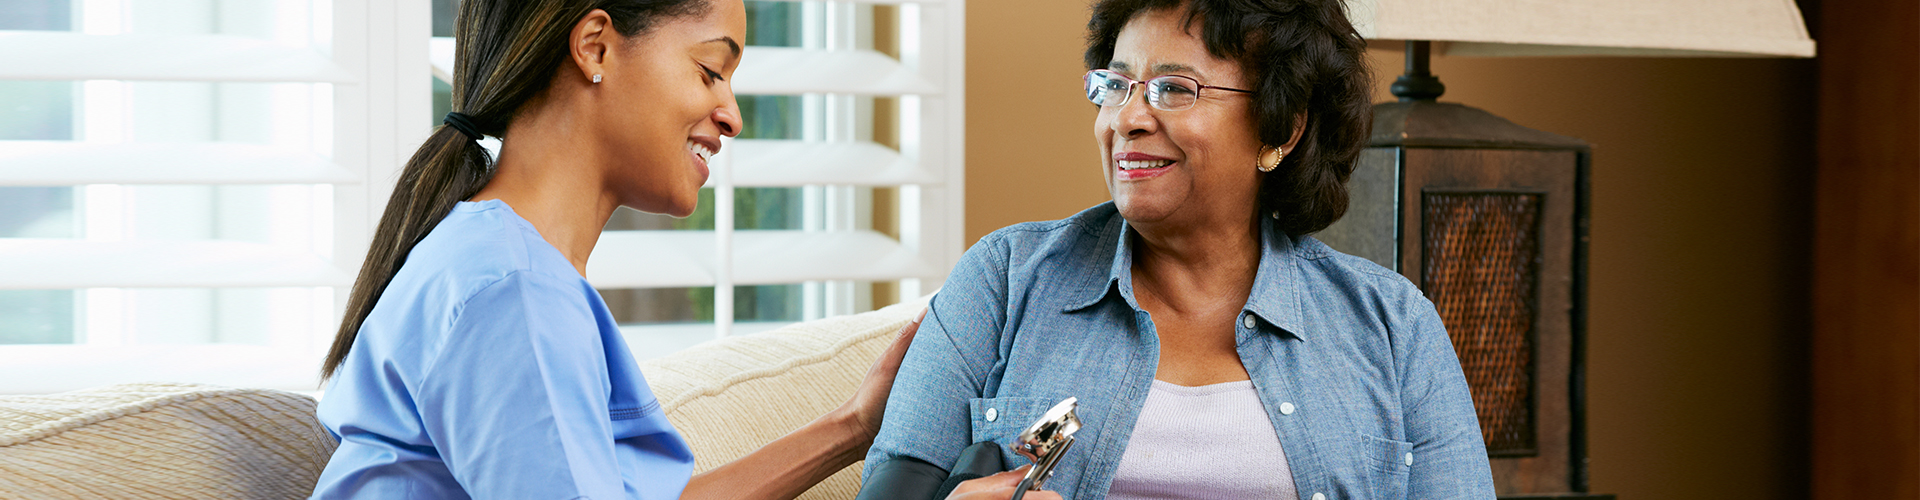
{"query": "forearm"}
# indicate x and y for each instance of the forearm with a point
(788, 466)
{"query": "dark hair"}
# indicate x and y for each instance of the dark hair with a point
(506, 52)
(1299, 56)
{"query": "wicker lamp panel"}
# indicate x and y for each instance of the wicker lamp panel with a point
(1480, 267)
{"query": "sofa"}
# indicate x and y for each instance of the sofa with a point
(172, 440)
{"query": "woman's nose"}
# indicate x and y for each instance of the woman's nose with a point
(728, 116)
(1135, 118)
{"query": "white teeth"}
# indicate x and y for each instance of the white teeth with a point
(700, 149)
(1136, 165)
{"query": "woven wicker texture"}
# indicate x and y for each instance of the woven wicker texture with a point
(160, 441)
(731, 396)
(1480, 260)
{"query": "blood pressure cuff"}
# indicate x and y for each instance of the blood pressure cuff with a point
(914, 479)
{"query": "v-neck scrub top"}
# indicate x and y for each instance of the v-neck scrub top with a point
(489, 368)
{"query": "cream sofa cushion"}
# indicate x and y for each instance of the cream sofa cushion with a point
(730, 396)
(164, 441)
(161, 441)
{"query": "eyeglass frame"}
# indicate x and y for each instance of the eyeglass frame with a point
(1086, 82)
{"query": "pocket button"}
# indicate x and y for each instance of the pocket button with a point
(993, 414)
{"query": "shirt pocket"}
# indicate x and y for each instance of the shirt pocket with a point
(1002, 419)
(1387, 465)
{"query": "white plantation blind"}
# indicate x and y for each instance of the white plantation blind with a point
(227, 162)
(832, 69)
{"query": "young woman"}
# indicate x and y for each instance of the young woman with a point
(474, 359)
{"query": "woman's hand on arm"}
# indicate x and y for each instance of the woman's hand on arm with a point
(869, 402)
(788, 466)
(999, 487)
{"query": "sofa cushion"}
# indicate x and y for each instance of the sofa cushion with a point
(161, 441)
(730, 396)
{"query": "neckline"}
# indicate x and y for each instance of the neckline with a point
(1203, 390)
(482, 204)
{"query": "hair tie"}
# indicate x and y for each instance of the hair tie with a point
(464, 124)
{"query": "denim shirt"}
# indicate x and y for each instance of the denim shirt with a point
(1351, 362)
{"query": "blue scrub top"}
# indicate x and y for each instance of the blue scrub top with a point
(489, 368)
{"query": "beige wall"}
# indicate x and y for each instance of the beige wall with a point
(1701, 222)
(1030, 151)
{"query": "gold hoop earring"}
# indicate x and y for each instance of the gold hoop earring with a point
(1269, 158)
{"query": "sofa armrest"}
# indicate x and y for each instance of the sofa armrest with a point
(731, 396)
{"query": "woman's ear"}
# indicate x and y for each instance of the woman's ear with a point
(1299, 125)
(592, 37)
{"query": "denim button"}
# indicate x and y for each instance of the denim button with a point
(1409, 459)
(1319, 496)
(1247, 320)
(1286, 408)
(992, 414)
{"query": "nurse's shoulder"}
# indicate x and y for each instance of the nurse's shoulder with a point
(478, 246)
(482, 241)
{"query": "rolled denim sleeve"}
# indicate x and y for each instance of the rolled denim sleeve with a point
(1450, 454)
(948, 364)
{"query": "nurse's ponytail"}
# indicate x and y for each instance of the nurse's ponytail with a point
(505, 53)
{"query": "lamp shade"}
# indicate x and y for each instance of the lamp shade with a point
(1674, 28)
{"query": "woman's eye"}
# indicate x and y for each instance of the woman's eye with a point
(710, 75)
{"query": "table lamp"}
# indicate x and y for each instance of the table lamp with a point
(1490, 218)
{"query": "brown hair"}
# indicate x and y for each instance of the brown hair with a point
(1300, 56)
(506, 52)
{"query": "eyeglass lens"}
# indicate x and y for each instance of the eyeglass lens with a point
(1168, 93)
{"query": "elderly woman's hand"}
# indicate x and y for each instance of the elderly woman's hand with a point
(998, 487)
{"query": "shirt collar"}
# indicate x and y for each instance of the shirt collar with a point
(1275, 283)
(1277, 289)
(1119, 276)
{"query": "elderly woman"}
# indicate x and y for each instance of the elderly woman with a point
(1217, 350)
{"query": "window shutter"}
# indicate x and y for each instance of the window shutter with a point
(324, 78)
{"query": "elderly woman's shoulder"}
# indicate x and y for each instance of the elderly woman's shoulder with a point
(1342, 267)
(1093, 223)
(1077, 244)
(1361, 287)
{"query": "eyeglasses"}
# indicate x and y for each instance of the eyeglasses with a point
(1165, 93)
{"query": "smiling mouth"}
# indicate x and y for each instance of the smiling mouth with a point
(700, 150)
(1143, 165)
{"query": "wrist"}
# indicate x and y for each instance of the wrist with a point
(850, 437)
